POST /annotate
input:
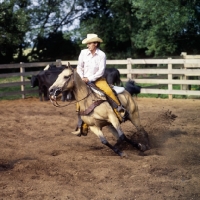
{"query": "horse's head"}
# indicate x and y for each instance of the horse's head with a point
(64, 82)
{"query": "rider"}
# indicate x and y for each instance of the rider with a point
(91, 67)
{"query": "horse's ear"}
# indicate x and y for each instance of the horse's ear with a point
(69, 66)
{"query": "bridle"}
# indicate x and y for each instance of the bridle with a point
(53, 98)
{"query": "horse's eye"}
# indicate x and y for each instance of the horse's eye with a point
(65, 77)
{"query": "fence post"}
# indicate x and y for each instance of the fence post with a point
(22, 70)
(169, 78)
(184, 77)
(129, 68)
(58, 62)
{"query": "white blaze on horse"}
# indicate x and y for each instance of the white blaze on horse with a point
(101, 115)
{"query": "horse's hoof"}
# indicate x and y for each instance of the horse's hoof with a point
(77, 132)
(122, 154)
(142, 147)
(148, 147)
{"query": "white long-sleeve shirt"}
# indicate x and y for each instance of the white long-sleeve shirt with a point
(91, 66)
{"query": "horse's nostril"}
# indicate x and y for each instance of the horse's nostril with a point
(57, 92)
(51, 90)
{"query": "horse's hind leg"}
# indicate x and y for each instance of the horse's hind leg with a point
(99, 134)
(135, 119)
(139, 146)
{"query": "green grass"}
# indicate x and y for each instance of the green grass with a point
(9, 79)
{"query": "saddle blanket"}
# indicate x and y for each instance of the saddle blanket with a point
(117, 89)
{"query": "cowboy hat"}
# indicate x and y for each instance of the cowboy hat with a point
(91, 38)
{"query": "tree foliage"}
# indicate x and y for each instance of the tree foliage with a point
(13, 27)
(48, 17)
(113, 21)
(144, 28)
(161, 25)
(55, 46)
(129, 28)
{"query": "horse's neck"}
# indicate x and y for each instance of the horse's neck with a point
(81, 91)
(83, 94)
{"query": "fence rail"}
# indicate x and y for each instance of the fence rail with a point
(158, 72)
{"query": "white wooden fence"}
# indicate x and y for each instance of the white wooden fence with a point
(159, 72)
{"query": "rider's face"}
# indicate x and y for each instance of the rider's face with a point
(92, 47)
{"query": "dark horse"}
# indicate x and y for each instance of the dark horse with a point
(101, 115)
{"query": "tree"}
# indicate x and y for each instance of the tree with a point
(55, 46)
(13, 27)
(139, 28)
(49, 17)
(162, 24)
(113, 20)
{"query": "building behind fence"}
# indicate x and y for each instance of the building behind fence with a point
(154, 73)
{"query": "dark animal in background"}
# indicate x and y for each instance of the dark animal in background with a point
(54, 67)
(112, 76)
(44, 79)
(132, 88)
(41, 90)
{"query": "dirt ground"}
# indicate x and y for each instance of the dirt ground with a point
(40, 159)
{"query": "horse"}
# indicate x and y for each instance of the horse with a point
(101, 114)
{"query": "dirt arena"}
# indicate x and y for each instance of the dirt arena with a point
(41, 160)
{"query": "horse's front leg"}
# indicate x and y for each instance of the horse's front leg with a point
(97, 131)
(122, 137)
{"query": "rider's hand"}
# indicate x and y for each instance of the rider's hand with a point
(85, 80)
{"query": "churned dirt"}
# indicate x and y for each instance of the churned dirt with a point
(40, 159)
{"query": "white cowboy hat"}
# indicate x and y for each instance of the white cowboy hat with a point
(91, 38)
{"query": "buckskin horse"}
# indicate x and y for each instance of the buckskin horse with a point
(101, 115)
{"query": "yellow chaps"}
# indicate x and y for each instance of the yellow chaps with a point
(102, 84)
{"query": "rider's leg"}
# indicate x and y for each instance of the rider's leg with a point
(103, 85)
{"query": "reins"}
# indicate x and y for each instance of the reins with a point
(56, 104)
